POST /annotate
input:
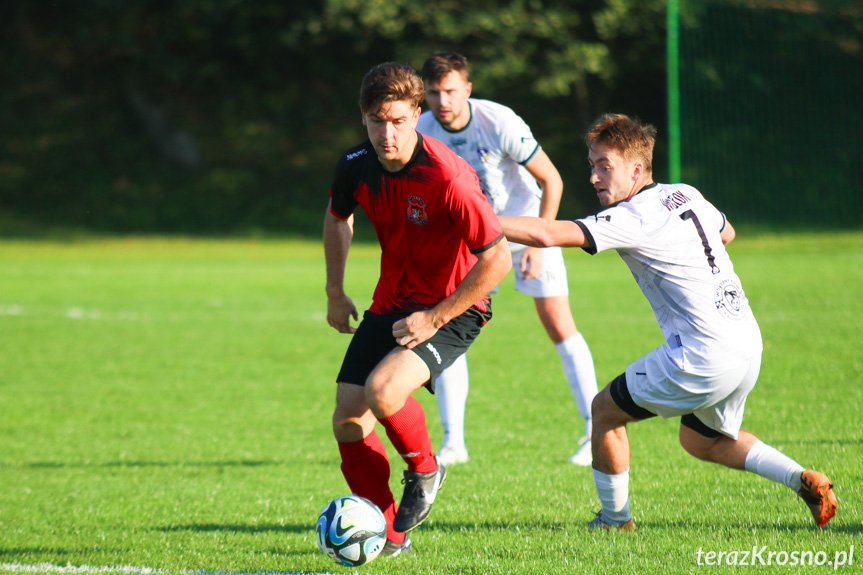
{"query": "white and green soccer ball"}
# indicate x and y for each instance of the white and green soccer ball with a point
(351, 530)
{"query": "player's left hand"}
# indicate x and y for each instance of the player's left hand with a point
(414, 329)
(531, 263)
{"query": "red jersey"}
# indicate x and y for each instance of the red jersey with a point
(431, 218)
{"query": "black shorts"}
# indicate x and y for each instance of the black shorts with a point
(374, 339)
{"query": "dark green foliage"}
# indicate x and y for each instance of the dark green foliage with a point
(772, 127)
(227, 117)
(221, 117)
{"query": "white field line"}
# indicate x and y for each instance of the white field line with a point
(132, 570)
(78, 313)
(92, 314)
(11, 309)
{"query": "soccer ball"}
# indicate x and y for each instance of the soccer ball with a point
(351, 530)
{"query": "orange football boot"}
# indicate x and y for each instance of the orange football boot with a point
(816, 490)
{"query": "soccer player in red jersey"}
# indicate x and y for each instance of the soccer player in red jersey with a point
(442, 251)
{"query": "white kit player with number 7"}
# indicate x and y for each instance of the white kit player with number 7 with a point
(673, 241)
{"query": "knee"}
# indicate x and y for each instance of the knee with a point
(556, 317)
(692, 449)
(351, 421)
(347, 429)
(383, 399)
(595, 405)
(599, 407)
(696, 445)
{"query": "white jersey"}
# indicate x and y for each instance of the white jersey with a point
(669, 236)
(497, 143)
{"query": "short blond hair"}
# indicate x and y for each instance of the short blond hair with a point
(627, 136)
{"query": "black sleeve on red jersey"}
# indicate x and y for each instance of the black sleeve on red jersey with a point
(347, 179)
(343, 201)
(488, 246)
(339, 208)
(590, 246)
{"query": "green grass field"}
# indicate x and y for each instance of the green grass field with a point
(166, 404)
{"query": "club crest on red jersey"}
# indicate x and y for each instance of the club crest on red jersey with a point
(417, 210)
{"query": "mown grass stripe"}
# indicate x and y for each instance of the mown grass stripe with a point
(133, 569)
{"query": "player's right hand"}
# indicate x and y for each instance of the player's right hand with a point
(339, 312)
(531, 263)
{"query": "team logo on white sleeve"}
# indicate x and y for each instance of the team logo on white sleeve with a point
(730, 300)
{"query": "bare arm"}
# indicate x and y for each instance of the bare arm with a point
(338, 234)
(727, 234)
(543, 233)
(491, 267)
(551, 184)
(548, 178)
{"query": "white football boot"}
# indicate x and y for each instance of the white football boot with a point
(583, 456)
(449, 455)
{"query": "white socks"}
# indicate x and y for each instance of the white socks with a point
(772, 464)
(613, 491)
(451, 388)
(578, 367)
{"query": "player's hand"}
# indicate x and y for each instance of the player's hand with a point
(414, 329)
(340, 309)
(531, 263)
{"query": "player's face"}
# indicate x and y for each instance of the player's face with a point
(447, 99)
(392, 132)
(613, 178)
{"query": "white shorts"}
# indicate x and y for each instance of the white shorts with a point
(657, 385)
(551, 282)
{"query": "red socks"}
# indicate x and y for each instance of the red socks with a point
(407, 430)
(367, 471)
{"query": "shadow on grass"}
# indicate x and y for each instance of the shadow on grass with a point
(832, 441)
(546, 526)
(237, 528)
(67, 558)
(326, 462)
(134, 464)
(56, 554)
(40, 551)
(447, 527)
(713, 529)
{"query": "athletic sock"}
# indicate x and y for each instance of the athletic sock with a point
(407, 429)
(367, 471)
(772, 464)
(451, 389)
(613, 491)
(580, 373)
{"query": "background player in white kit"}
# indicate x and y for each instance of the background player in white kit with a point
(673, 241)
(520, 180)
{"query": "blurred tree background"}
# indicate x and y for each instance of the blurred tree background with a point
(227, 117)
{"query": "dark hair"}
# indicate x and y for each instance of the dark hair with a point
(442, 63)
(390, 82)
(627, 136)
